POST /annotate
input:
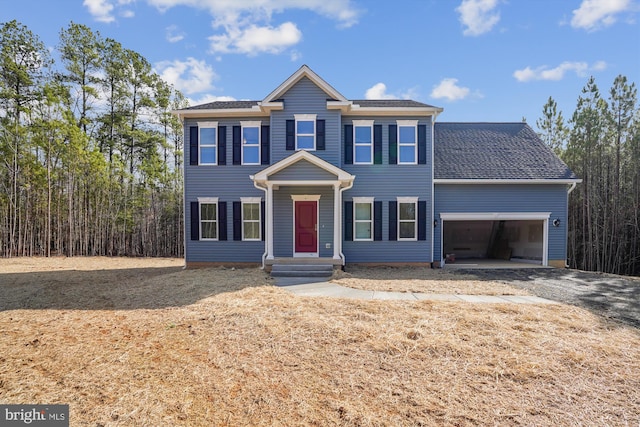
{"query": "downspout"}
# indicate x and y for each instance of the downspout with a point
(571, 188)
(266, 241)
(341, 220)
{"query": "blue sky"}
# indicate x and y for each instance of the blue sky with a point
(481, 60)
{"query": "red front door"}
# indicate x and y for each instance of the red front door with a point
(306, 226)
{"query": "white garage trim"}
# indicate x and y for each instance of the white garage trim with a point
(499, 216)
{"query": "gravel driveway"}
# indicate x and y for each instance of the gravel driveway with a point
(615, 297)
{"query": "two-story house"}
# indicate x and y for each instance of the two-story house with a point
(307, 173)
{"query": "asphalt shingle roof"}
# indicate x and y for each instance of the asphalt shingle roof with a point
(390, 103)
(494, 151)
(218, 105)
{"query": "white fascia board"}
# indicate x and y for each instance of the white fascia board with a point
(506, 181)
(340, 174)
(356, 110)
(344, 106)
(493, 216)
(220, 112)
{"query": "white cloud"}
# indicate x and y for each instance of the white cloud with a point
(172, 35)
(545, 73)
(378, 91)
(253, 39)
(478, 16)
(448, 88)
(190, 76)
(127, 13)
(595, 14)
(100, 10)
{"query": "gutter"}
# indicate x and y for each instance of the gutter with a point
(341, 222)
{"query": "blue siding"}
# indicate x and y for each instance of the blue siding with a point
(302, 170)
(305, 98)
(506, 198)
(283, 219)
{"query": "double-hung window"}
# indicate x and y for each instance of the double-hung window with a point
(407, 218)
(250, 143)
(363, 218)
(305, 132)
(363, 142)
(208, 218)
(251, 218)
(208, 141)
(407, 142)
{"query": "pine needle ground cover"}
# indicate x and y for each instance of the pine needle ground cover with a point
(143, 342)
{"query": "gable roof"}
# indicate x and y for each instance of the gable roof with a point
(494, 151)
(341, 175)
(307, 72)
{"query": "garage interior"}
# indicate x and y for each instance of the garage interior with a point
(512, 241)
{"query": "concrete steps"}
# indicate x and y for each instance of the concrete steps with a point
(302, 270)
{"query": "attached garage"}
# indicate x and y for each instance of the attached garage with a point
(521, 237)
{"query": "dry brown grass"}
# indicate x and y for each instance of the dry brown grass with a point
(164, 346)
(422, 280)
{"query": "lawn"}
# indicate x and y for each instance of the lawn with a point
(144, 342)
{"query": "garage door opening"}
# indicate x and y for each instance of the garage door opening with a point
(503, 240)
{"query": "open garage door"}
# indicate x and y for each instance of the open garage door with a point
(516, 237)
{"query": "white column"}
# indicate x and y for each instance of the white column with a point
(337, 221)
(269, 221)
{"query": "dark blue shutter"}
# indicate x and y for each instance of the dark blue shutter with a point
(348, 221)
(348, 144)
(393, 220)
(377, 144)
(222, 220)
(237, 220)
(393, 144)
(377, 220)
(422, 220)
(265, 147)
(320, 139)
(291, 135)
(422, 144)
(195, 220)
(237, 145)
(222, 145)
(193, 145)
(262, 211)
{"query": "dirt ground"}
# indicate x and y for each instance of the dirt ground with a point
(143, 342)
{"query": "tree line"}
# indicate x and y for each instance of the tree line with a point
(601, 144)
(90, 153)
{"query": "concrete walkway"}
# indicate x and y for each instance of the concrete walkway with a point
(312, 288)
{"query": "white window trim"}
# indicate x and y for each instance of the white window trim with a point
(207, 125)
(305, 118)
(413, 200)
(363, 200)
(251, 200)
(250, 124)
(408, 123)
(208, 201)
(362, 123)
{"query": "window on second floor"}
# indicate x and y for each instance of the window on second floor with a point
(407, 142)
(208, 143)
(305, 132)
(363, 142)
(250, 143)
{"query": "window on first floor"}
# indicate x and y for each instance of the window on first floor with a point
(407, 218)
(209, 219)
(251, 218)
(362, 218)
